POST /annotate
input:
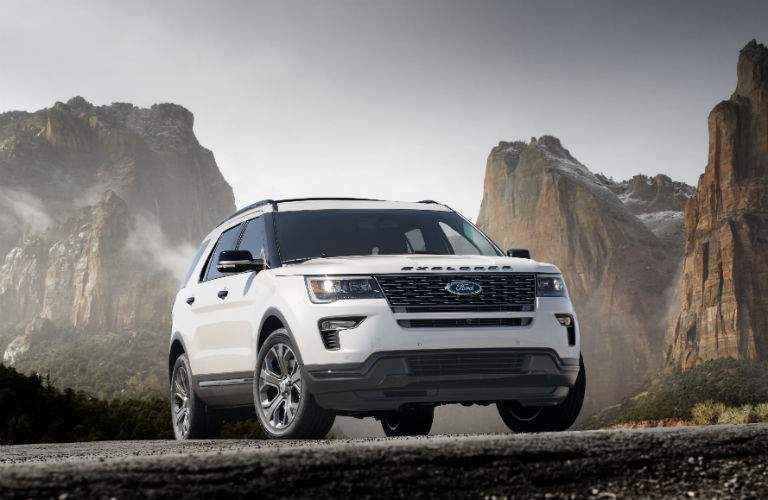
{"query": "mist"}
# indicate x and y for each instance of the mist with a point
(20, 205)
(148, 242)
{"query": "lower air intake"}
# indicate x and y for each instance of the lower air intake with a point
(485, 362)
(465, 322)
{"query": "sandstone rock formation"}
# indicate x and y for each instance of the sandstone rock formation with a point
(658, 202)
(724, 288)
(57, 159)
(97, 203)
(538, 196)
(642, 194)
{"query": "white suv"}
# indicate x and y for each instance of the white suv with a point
(312, 308)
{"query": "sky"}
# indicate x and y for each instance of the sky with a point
(398, 100)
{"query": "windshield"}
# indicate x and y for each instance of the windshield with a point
(331, 233)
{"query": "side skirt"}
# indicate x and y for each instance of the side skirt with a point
(223, 390)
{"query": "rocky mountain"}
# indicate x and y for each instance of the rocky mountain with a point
(724, 288)
(100, 209)
(658, 202)
(538, 196)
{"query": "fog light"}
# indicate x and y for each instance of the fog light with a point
(330, 328)
(339, 323)
(564, 319)
(567, 321)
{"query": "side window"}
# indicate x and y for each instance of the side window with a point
(198, 256)
(227, 241)
(254, 239)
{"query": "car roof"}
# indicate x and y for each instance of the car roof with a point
(296, 204)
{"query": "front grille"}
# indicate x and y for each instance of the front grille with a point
(464, 322)
(485, 362)
(427, 292)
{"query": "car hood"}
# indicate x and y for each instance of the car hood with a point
(386, 264)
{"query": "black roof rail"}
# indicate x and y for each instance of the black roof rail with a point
(285, 200)
(328, 198)
(246, 208)
(429, 201)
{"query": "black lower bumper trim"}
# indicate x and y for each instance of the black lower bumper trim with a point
(390, 380)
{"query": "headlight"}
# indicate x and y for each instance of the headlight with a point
(550, 285)
(325, 289)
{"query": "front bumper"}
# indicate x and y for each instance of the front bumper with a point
(381, 331)
(389, 380)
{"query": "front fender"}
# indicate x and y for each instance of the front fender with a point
(274, 311)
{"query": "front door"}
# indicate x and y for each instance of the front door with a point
(221, 339)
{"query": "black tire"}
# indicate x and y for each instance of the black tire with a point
(310, 421)
(546, 418)
(410, 422)
(197, 425)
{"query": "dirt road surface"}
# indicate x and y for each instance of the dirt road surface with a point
(692, 462)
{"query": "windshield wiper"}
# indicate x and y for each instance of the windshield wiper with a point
(304, 259)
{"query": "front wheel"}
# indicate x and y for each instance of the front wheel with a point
(286, 409)
(546, 418)
(411, 422)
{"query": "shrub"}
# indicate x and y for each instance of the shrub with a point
(731, 382)
(761, 412)
(738, 415)
(33, 411)
(707, 413)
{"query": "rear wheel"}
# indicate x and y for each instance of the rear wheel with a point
(188, 412)
(286, 409)
(521, 418)
(411, 422)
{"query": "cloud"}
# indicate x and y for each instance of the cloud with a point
(148, 242)
(29, 208)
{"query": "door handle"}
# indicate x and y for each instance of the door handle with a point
(191, 300)
(223, 294)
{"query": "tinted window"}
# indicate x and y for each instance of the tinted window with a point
(318, 233)
(227, 241)
(415, 240)
(198, 256)
(470, 242)
(254, 239)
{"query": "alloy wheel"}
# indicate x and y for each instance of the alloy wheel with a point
(181, 401)
(279, 387)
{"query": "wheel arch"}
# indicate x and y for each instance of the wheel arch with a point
(176, 349)
(273, 320)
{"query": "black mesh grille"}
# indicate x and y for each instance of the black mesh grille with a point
(427, 292)
(466, 363)
(464, 322)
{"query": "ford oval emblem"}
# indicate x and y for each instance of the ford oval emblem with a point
(464, 288)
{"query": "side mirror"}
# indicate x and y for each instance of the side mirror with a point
(238, 261)
(521, 253)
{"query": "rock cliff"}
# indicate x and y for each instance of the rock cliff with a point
(658, 202)
(100, 207)
(724, 288)
(538, 196)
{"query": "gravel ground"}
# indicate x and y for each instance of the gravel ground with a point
(700, 462)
